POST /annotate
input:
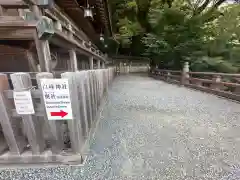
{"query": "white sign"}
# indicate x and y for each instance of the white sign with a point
(57, 99)
(23, 102)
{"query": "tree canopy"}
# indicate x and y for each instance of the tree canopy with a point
(170, 32)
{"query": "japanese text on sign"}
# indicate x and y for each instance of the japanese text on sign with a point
(57, 99)
(23, 102)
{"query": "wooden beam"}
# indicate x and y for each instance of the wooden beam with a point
(73, 59)
(42, 46)
(62, 40)
(23, 4)
(16, 21)
(31, 2)
(16, 34)
(13, 4)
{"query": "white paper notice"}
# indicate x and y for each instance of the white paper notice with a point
(57, 99)
(23, 102)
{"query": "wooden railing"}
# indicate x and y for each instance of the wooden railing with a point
(33, 138)
(64, 27)
(221, 84)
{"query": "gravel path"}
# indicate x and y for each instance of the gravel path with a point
(151, 130)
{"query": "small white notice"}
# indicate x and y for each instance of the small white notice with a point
(57, 99)
(23, 102)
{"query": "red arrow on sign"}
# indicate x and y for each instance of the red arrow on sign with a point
(61, 113)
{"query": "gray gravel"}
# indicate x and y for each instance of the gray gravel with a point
(151, 130)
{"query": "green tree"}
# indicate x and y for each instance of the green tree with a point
(173, 31)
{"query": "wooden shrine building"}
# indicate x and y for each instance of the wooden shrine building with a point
(52, 35)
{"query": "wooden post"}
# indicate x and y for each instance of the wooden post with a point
(215, 84)
(103, 65)
(70, 34)
(74, 125)
(73, 60)
(10, 127)
(1, 11)
(21, 12)
(98, 64)
(91, 62)
(31, 61)
(94, 98)
(52, 127)
(91, 97)
(33, 127)
(42, 46)
(168, 76)
(88, 97)
(185, 75)
(83, 102)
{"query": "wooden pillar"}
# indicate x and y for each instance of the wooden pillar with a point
(103, 65)
(216, 80)
(44, 55)
(42, 46)
(73, 59)
(32, 125)
(91, 62)
(1, 11)
(21, 12)
(31, 61)
(99, 64)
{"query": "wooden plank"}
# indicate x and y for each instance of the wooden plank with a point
(32, 125)
(61, 39)
(16, 21)
(1, 10)
(3, 143)
(73, 59)
(98, 64)
(27, 159)
(83, 102)
(52, 127)
(32, 62)
(95, 91)
(88, 98)
(10, 127)
(16, 34)
(91, 98)
(42, 46)
(21, 4)
(30, 2)
(13, 4)
(212, 73)
(44, 55)
(91, 62)
(75, 125)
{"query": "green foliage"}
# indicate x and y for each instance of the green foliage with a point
(170, 32)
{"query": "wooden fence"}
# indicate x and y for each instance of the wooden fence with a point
(35, 139)
(221, 84)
